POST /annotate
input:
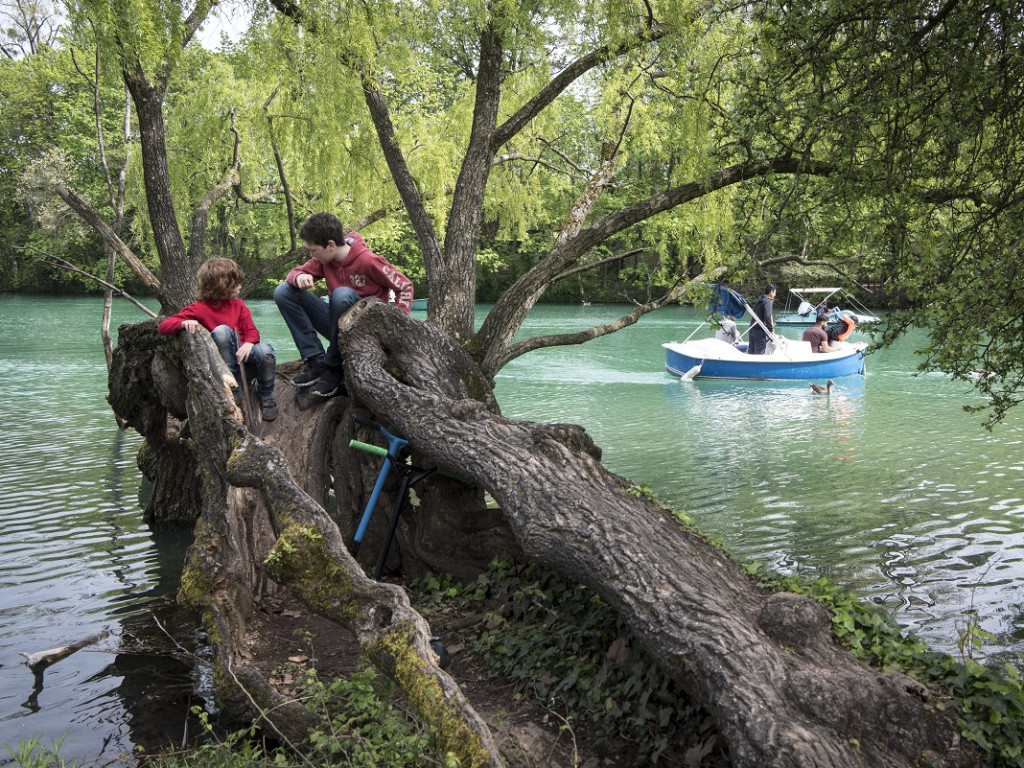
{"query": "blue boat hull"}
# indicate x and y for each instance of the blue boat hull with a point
(719, 360)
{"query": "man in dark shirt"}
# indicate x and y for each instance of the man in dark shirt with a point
(757, 336)
(818, 337)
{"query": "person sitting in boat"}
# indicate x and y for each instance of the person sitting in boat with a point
(805, 308)
(727, 330)
(818, 337)
(841, 329)
(822, 308)
(757, 334)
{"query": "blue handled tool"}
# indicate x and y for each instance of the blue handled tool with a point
(409, 475)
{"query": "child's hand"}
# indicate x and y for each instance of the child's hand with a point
(243, 352)
(304, 282)
(190, 326)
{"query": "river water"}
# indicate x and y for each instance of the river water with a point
(887, 487)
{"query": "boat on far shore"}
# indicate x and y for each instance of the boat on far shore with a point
(807, 300)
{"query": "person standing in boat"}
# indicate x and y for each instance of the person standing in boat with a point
(757, 336)
(818, 337)
(727, 330)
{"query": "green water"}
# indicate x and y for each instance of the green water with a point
(887, 486)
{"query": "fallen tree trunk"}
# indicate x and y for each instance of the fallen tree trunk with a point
(767, 667)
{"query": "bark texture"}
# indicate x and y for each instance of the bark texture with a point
(767, 666)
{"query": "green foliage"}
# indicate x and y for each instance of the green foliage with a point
(48, 132)
(642, 491)
(32, 753)
(362, 724)
(990, 702)
(568, 649)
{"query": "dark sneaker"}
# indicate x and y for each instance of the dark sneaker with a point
(268, 407)
(309, 375)
(330, 382)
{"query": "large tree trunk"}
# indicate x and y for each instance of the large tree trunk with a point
(767, 666)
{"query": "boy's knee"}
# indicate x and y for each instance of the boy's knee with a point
(283, 292)
(343, 299)
(222, 334)
(264, 353)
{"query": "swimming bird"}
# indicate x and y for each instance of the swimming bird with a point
(820, 390)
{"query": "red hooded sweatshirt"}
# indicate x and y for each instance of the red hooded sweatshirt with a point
(363, 271)
(230, 312)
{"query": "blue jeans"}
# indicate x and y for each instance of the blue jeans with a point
(261, 365)
(306, 315)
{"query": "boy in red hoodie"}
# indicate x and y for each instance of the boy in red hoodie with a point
(352, 272)
(225, 316)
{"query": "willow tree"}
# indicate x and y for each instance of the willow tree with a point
(626, 120)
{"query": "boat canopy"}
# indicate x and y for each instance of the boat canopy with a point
(800, 293)
(726, 301)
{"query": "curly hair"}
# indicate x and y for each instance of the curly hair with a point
(322, 227)
(217, 279)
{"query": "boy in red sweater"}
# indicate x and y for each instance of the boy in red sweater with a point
(352, 272)
(225, 316)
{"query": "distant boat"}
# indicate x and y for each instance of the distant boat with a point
(808, 299)
(419, 305)
(791, 359)
(787, 359)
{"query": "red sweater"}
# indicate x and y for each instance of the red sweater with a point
(363, 271)
(210, 314)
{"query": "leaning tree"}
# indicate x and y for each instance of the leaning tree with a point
(622, 114)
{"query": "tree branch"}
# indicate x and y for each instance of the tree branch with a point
(511, 127)
(505, 318)
(289, 205)
(202, 214)
(93, 219)
(57, 261)
(519, 349)
(598, 263)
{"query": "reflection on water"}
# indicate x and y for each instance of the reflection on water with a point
(886, 486)
(75, 558)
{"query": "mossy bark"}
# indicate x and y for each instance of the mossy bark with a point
(260, 531)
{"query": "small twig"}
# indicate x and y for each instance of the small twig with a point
(265, 716)
(178, 645)
(575, 747)
(57, 261)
